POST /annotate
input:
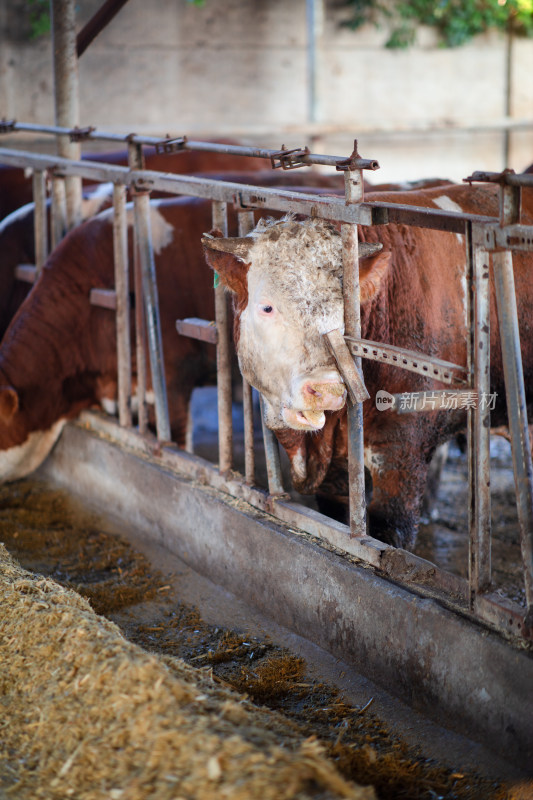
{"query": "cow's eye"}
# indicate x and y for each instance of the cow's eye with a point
(267, 309)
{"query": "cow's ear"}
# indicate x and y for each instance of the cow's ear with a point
(9, 403)
(229, 257)
(372, 270)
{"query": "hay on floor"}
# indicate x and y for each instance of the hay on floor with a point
(88, 715)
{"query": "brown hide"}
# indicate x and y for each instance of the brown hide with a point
(415, 304)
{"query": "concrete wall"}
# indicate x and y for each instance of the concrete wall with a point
(240, 67)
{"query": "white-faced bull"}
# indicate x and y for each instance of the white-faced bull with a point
(287, 280)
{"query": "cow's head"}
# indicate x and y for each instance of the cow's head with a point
(287, 279)
(22, 447)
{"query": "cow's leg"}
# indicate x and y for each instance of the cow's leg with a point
(398, 482)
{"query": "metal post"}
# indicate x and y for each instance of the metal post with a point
(273, 464)
(225, 424)
(151, 310)
(516, 412)
(479, 420)
(59, 211)
(66, 88)
(120, 250)
(246, 223)
(40, 221)
(352, 327)
(136, 161)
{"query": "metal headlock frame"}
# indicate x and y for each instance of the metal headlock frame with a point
(482, 235)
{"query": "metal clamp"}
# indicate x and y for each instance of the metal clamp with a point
(80, 134)
(168, 146)
(289, 159)
(356, 162)
(7, 125)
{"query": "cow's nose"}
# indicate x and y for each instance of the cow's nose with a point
(324, 395)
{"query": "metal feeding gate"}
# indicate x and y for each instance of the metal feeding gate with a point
(483, 235)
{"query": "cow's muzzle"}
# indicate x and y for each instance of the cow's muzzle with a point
(325, 396)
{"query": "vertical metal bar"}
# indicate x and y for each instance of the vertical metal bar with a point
(516, 412)
(225, 424)
(352, 327)
(246, 223)
(140, 338)
(66, 90)
(151, 309)
(59, 211)
(314, 19)
(120, 250)
(479, 424)
(40, 221)
(273, 464)
(136, 161)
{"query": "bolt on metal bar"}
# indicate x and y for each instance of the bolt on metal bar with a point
(246, 223)
(40, 219)
(120, 251)
(352, 327)
(516, 412)
(273, 463)
(224, 398)
(151, 307)
(479, 421)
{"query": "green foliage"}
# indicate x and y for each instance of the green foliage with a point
(456, 21)
(39, 17)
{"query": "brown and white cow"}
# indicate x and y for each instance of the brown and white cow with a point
(287, 282)
(58, 354)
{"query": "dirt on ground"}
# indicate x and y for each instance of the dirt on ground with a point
(48, 534)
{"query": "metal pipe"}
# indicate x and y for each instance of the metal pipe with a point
(136, 161)
(225, 422)
(151, 309)
(273, 463)
(66, 93)
(59, 211)
(40, 219)
(246, 223)
(314, 18)
(352, 327)
(516, 412)
(479, 422)
(120, 251)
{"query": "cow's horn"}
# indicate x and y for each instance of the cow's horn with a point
(238, 246)
(367, 249)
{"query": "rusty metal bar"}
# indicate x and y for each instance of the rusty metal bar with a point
(40, 218)
(59, 212)
(66, 93)
(479, 422)
(353, 380)
(26, 273)
(225, 422)
(136, 161)
(97, 23)
(120, 253)
(196, 328)
(516, 413)
(246, 223)
(353, 181)
(103, 298)
(151, 308)
(273, 463)
(410, 360)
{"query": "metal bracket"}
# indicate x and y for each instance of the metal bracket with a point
(7, 125)
(410, 360)
(80, 134)
(168, 146)
(356, 162)
(289, 159)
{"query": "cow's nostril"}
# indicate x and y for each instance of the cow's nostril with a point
(310, 390)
